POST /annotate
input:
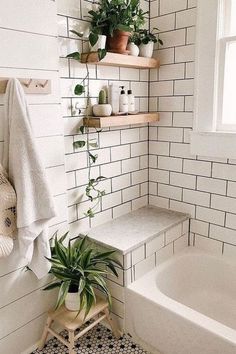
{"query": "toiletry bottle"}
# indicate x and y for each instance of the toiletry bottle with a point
(113, 98)
(131, 102)
(123, 101)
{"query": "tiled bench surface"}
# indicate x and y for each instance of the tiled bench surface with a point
(143, 238)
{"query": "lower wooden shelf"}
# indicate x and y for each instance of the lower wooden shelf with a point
(115, 121)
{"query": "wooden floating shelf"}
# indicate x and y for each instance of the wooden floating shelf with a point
(114, 59)
(116, 121)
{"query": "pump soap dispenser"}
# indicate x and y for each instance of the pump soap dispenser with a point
(124, 106)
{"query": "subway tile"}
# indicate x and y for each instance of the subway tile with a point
(164, 23)
(140, 176)
(223, 234)
(130, 165)
(209, 245)
(229, 252)
(167, 191)
(224, 171)
(130, 193)
(169, 104)
(159, 147)
(184, 54)
(144, 266)
(183, 207)
(211, 185)
(120, 152)
(109, 72)
(158, 201)
(182, 119)
(195, 197)
(154, 245)
(231, 190)
(171, 72)
(223, 203)
(173, 233)
(168, 6)
(111, 200)
(170, 163)
(120, 210)
(210, 215)
(111, 170)
(230, 221)
(164, 254)
(173, 38)
(139, 202)
(180, 150)
(186, 18)
(138, 255)
(181, 243)
(161, 88)
(129, 74)
(110, 138)
(129, 136)
(166, 56)
(199, 227)
(138, 149)
(160, 176)
(170, 134)
(182, 180)
(120, 182)
(201, 168)
(183, 87)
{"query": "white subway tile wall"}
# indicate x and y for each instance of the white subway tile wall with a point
(203, 187)
(123, 152)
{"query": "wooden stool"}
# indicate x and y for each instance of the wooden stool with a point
(71, 322)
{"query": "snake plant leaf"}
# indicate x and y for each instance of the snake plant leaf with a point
(74, 55)
(79, 90)
(52, 286)
(64, 288)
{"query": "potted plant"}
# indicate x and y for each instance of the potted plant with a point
(133, 46)
(79, 269)
(102, 109)
(117, 19)
(147, 40)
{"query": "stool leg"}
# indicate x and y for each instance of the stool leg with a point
(72, 342)
(45, 333)
(114, 328)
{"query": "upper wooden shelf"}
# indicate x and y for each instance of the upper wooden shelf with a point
(114, 59)
(115, 121)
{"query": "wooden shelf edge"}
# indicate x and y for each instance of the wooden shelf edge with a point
(114, 59)
(116, 121)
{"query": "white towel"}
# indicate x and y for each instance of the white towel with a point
(21, 159)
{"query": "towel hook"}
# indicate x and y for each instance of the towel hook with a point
(44, 85)
(29, 83)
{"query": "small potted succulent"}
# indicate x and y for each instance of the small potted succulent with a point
(102, 109)
(147, 40)
(79, 269)
(117, 20)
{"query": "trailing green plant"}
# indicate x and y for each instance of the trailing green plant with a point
(80, 267)
(145, 36)
(111, 15)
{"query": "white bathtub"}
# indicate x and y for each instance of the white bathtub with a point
(185, 306)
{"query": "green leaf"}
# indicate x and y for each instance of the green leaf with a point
(82, 129)
(62, 293)
(52, 286)
(79, 89)
(93, 157)
(93, 145)
(124, 28)
(79, 144)
(93, 38)
(79, 34)
(75, 55)
(101, 53)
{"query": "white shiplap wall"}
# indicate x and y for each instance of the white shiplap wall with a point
(28, 40)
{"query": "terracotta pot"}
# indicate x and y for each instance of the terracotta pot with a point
(118, 43)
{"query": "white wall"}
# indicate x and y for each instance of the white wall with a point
(203, 187)
(29, 49)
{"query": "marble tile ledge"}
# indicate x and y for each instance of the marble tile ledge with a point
(130, 231)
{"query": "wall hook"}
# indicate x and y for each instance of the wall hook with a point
(29, 83)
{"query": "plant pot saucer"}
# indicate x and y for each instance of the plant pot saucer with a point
(126, 52)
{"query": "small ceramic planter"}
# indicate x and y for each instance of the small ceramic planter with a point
(146, 50)
(72, 301)
(133, 49)
(101, 43)
(102, 110)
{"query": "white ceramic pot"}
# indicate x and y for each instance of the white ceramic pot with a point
(72, 301)
(102, 110)
(133, 49)
(101, 43)
(146, 50)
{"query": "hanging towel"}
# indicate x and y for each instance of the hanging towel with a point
(21, 159)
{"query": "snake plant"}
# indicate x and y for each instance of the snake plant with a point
(80, 267)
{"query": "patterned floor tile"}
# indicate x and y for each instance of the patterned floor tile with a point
(97, 341)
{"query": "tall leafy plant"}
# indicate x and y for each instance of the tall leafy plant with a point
(80, 267)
